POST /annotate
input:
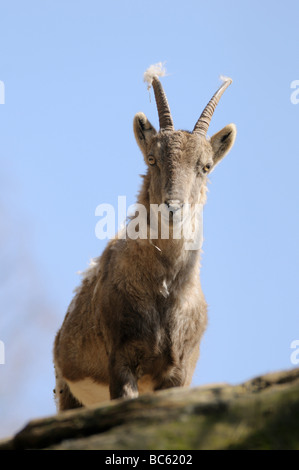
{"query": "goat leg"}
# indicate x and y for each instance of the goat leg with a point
(123, 382)
(175, 378)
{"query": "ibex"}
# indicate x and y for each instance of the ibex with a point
(136, 321)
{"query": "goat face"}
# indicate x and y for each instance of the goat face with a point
(179, 161)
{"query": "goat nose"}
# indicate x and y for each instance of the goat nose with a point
(174, 204)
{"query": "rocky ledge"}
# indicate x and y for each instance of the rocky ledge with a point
(261, 413)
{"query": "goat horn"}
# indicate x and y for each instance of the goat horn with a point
(165, 118)
(202, 125)
(151, 77)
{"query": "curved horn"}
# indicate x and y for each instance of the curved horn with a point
(151, 77)
(202, 125)
(165, 118)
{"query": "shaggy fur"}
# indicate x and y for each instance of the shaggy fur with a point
(136, 321)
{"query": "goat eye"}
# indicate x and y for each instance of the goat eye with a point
(206, 168)
(151, 160)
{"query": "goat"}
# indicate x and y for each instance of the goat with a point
(136, 321)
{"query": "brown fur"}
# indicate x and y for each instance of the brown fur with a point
(138, 317)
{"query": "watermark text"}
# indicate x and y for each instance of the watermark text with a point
(295, 94)
(152, 223)
(295, 354)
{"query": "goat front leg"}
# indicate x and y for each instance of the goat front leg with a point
(174, 378)
(122, 380)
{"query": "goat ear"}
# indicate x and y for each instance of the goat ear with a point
(143, 131)
(223, 141)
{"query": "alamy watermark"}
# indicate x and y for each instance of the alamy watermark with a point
(2, 93)
(294, 358)
(295, 94)
(156, 222)
(2, 353)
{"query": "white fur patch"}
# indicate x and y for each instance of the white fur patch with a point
(155, 70)
(89, 392)
(164, 290)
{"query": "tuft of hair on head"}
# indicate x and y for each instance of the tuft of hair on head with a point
(154, 71)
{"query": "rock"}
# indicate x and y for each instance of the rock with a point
(259, 414)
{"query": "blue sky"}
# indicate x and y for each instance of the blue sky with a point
(73, 72)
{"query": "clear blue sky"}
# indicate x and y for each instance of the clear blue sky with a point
(73, 81)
